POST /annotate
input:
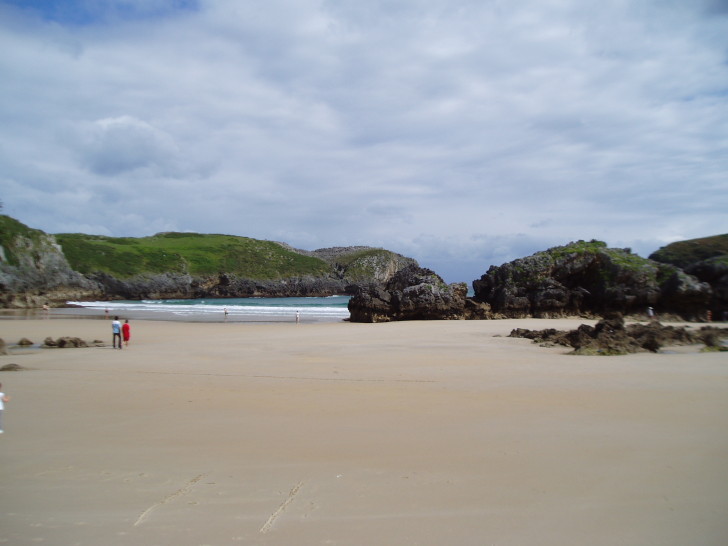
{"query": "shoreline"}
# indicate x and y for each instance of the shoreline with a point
(77, 312)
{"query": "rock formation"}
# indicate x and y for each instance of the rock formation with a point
(64, 342)
(33, 269)
(587, 278)
(414, 293)
(611, 336)
(707, 260)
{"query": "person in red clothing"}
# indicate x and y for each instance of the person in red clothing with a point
(126, 332)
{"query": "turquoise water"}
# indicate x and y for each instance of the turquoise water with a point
(333, 308)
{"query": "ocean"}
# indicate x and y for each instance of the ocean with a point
(329, 309)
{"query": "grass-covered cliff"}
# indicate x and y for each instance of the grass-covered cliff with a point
(191, 253)
(37, 267)
(686, 253)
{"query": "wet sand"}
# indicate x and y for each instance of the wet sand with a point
(424, 433)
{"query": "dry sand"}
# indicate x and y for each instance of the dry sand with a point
(432, 433)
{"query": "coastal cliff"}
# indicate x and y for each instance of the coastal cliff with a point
(581, 278)
(587, 278)
(38, 268)
(34, 270)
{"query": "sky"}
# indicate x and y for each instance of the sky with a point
(461, 133)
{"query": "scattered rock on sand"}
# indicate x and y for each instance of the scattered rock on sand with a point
(25, 342)
(11, 368)
(3, 347)
(64, 342)
(610, 336)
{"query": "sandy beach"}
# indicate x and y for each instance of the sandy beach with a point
(428, 433)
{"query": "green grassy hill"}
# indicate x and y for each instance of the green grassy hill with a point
(684, 253)
(193, 253)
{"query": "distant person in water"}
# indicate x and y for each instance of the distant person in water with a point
(116, 330)
(126, 332)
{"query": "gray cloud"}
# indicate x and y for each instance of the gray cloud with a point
(113, 146)
(462, 133)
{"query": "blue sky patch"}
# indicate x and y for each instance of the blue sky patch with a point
(90, 12)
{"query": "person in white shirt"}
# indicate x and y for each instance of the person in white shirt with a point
(116, 329)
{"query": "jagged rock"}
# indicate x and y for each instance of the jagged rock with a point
(414, 293)
(25, 342)
(589, 279)
(610, 336)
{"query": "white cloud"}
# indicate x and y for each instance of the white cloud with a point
(462, 133)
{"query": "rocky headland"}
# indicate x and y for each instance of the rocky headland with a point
(38, 268)
(590, 279)
(579, 279)
(686, 280)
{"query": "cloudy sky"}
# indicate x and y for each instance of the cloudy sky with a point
(463, 133)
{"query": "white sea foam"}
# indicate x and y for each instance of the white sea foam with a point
(332, 308)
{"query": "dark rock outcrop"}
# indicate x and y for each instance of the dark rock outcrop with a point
(707, 260)
(714, 271)
(611, 336)
(587, 278)
(414, 293)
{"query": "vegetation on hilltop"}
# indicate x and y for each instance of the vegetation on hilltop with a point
(685, 253)
(191, 253)
(363, 264)
(15, 236)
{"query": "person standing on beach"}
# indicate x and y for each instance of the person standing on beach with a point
(126, 332)
(3, 399)
(116, 330)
